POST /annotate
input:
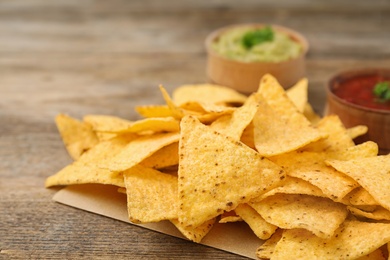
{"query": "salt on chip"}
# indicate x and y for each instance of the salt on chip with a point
(352, 240)
(277, 132)
(194, 234)
(217, 173)
(138, 150)
(256, 222)
(372, 173)
(321, 216)
(208, 93)
(77, 136)
(151, 195)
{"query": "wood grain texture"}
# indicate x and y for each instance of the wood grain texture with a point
(105, 57)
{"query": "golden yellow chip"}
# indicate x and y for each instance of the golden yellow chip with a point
(298, 94)
(106, 123)
(357, 131)
(321, 216)
(230, 216)
(371, 173)
(138, 150)
(256, 222)
(266, 250)
(337, 139)
(311, 167)
(292, 185)
(207, 93)
(378, 214)
(86, 169)
(77, 136)
(165, 157)
(233, 125)
(194, 234)
(151, 195)
(277, 132)
(352, 240)
(154, 111)
(217, 173)
(361, 197)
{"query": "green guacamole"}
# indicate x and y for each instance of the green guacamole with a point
(276, 47)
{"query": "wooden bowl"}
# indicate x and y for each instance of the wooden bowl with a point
(377, 120)
(245, 76)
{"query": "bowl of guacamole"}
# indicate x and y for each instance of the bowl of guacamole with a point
(239, 55)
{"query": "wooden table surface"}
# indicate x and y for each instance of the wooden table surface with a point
(105, 57)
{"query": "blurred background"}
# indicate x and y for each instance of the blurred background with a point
(133, 46)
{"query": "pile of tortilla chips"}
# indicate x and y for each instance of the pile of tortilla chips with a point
(213, 155)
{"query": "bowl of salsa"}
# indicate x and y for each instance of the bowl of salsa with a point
(239, 55)
(362, 97)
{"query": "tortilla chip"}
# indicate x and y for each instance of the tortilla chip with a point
(278, 132)
(321, 216)
(165, 157)
(233, 125)
(194, 234)
(298, 94)
(311, 167)
(256, 222)
(154, 111)
(77, 136)
(151, 195)
(378, 214)
(292, 185)
(217, 173)
(207, 93)
(357, 131)
(372, 173)
(230, 216)
(266, 250)
(138, 150)
(106, 123)
(352, 240)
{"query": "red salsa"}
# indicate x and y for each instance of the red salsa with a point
(359, 90)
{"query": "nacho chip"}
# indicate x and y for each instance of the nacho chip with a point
(138, 150)
(151, 195)
(194, 234)
(352, 240)
(298, 94)
(165, 157)
(208, 93)
(321, 216)
(217, 173)
(277, 131)
(154, 111)
(371, 173)
(311, 167)
(292, 185)
(256, 222)
(77, 136)
(378, 214)
(266, 250)
(106, 123)
(86, 169)
(233, 125)
(357, 131)
(230, 216)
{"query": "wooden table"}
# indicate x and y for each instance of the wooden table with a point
(105, 57)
